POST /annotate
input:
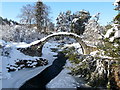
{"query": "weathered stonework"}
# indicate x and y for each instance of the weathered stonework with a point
(36, 49)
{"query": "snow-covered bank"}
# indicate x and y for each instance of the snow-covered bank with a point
(63, 80)
(17, 78)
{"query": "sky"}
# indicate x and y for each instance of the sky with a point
(11, 10)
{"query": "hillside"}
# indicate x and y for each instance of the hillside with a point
(5, 21)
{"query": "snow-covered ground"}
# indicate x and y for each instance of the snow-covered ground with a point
(63, 80)
(17, 78)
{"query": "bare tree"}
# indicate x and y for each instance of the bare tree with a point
(27, 15)
(36, 14)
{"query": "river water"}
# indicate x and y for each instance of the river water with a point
(41, 80)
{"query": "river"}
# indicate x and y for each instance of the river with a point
(41, 80)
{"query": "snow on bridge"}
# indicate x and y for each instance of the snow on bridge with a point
(35, 48)
(55, 34)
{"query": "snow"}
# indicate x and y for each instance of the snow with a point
(107, 35)
(117, 34)
(17, 78)
(115, 26)
(21, 45)
(47, 51)
(63, 80)
(116, 45)
(74, 20)
(111, 39)
(99, 53)
(15, 54)
(116, 2)
(35, 28)
(43, 39)
(114, 30)
(84, 11)
(76, 45)
(96, 17)
(17, 26)
(94, 53)
(19, 33)
(2, 43)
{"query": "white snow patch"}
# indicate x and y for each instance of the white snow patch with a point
(117, 34)
(74, 20)
(76, 45)
(111, 39)
(107, 35)
(63, 80)
(94, 53)
(17, 26)
(2, 43)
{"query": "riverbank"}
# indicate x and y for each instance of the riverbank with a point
(47, 74)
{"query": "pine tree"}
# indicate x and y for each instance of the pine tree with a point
(64, 20)
(75, 23)
(41, 15)
(80, 19)
(117, 18)
(111, 45)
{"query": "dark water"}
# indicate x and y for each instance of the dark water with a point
(40, 81)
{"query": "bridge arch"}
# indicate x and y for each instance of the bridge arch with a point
(35, 48)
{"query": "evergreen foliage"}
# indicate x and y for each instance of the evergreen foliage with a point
(68, 22)
(5, 21)
(41, 15)
(111, 45)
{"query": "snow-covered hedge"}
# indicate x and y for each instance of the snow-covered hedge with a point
(20, 64)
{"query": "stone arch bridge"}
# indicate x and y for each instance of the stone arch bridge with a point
(35, 48)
